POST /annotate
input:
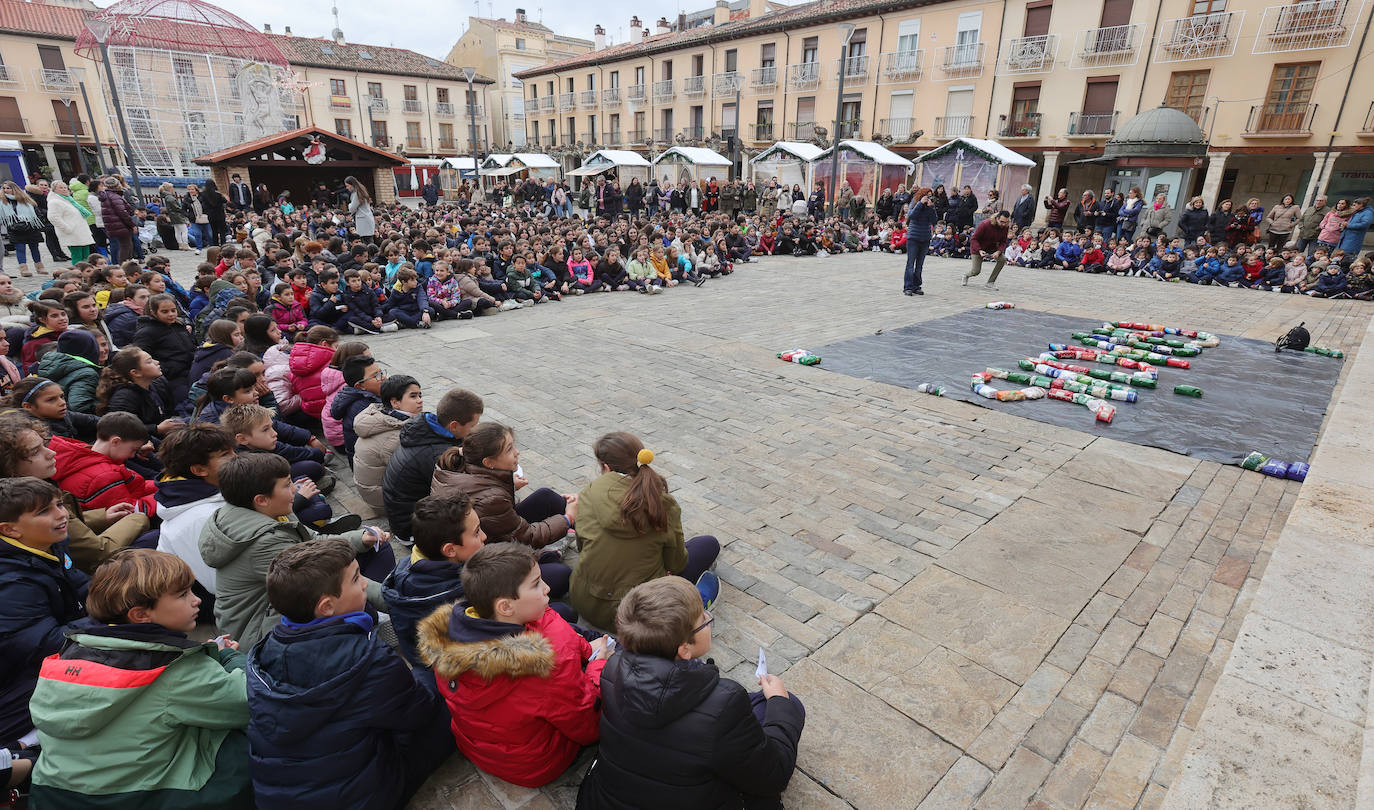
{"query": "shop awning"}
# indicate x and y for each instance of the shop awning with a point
(589, 171)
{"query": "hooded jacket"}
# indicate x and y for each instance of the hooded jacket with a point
(348, 403)
(92, 538)
(378, 429)
(493, 498)
(78, 377)
(141, 716)
(677, 736)
(171, 345)
(239, 544)
(410, 470)
(185, 506)
(117, 216)
(277, 375)
(98, 481)
(121, 320)
(328, 701)
(522, 704)
(311, 377)
(151, 405)
(417, 588)
(206, 355)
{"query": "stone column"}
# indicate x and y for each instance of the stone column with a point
(383, 186)
(1211, 182)
(50, 155)
(1321, 175)
(1047, 189)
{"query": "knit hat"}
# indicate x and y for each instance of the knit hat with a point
(79, 343)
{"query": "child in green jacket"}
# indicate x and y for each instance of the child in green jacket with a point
(132, 713)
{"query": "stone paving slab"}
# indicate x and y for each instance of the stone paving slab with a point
(870, 533)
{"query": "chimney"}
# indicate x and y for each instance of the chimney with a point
(757, 8)
(636, 29)
(644, 35)
(267, 28)
(520, 15)
(338, 36)
(288, 30)
(599, 38)
(681, 22)
(663, 26)
(722, 12)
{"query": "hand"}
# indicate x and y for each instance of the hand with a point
(375, 537)
(119, 511)
(425, 317)
(772, 686)
(377, 322)
(261, 388)
(571, 511)
(317, 444)
(167, 426)
(521, 482)
(599, 646)
(225, 641)
(343, 307)
(306, 488)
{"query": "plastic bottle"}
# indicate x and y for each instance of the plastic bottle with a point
(1000, 305)
(1104, 411)
(1254, 461)
(1010, 396)
(986, 391)
(1034, 392)
(1297, 471)
(931, 388)
(1178, 362)
(1188, 391)
(1275, 468)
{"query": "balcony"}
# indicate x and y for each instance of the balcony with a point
(665, 134)
(588, 138)
(412, 106)
(1202, 36)
(10, 78)
(635, 93)
(339, 103)
(663, 91)
(726, 84)
(1106, 47)
(855, 69)
(639, 135)
(381, 141)
(444, 109)
(1197, 112)
(901, 67)
(803, 130)
(963, 61)
(901, 130)
(569, 138)
(56, 81)
(611, 138)
(610, 97)
(1308, 26)
(447, 145)
(763, 132)
(805, 76)
(1368, 129)
(1026, 55)
(546, 104)
(693, 86)
(1282, 118)
(14, 126)
(415, 144)
(1026, 125)
(566, 101)
(1091, 124)
(694, 133)
(851, 128)
(764, 79)
(586, 99)
(376, 104)
(63, 126)
(953, 126)
(547, 140)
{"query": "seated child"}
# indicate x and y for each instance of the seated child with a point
(1359, 282)
(287, 310)
(521, 283)
(517, 677)
(1231, 273)
(446, 296)
(327, 307)
(1331, 284)
(44, 594)
(252, 426)
(1295, 272)
(338, 719)
(1119, 262)
(167, 340)
(1093, 260)
(162, 715)
(364, 315)
(252, 527)
(407, 304)
(674, 733)
(1170, 266)
(96, 475)
(187, 496)
(1069, 254)
(1274, 275)
(1254, 269)
(42, 399)
(482, 300)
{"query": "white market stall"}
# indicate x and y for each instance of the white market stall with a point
(792, 162)
(625, 164)
(453, 172)
(979, 163)
(867, 167)
(410, 178)
(693, 163)
(522, 164)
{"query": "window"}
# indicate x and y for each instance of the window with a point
(446, 135)
(1025, 109)
(1100, 95)
(441, 94)
(450, 131)
(591, 127)
(374, 89)
(851, 118)
(1292, 84)
(379, 129)
(519, 44)
(899, 112)
(344, 126)
(958, 120)
(667, 70)
(768, 55)
(909, 35)
(614, 126)
(1115, 13)
(64, 116)
(698, 64)
(550, 89)
(805, 125)
(1187, 91)
(729, 120)
(591, 81)
(10, 119)
(571, 87)
(639, 75)
(337, 87)
(858, 43)
(809, 46)
(51, 57)
(731, 60)
(615, 79)
(410, 93)
(1208, 6)
(970, 27)
(1037, 20)
(413, 133)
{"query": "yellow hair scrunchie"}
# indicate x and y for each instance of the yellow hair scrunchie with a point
(646, 456)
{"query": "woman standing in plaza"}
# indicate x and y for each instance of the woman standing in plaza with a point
(360, 208)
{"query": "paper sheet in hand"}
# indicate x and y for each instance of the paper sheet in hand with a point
(763, 665)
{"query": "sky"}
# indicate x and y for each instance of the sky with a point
(432, 27)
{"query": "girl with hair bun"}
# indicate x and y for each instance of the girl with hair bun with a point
(630, 531)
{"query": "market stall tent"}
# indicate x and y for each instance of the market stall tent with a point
(453, 172)
(792, 162)
(867, 167)
(693, 163)
(410, 178)
(978, 163)
(626, 165)
(524, 164)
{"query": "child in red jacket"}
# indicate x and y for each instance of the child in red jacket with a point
(96, 475)
(512, 670)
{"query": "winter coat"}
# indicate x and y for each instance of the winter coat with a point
(410, 470)
(412, 303)
(329, 701)
(43, 592)
(364, 224)
(78, 377)
(1283, 219)
(171, 206)
(82, 194)
(1151, 217)
(1331, 227)
(324, 309)
(1217, 223)
(493, 498)
(882, 207)
(1352, 238)
(239, 544)
(1023, 211)
(522, 704)
(675, 735)
(121, 321)
(206, 356)
(1332, 283)
(277, 375)
(151, 405)
(614, 557)
(921, 221)
(418, 587)
(170, 344)
(1192, 223)
(1057, 208)
(311, 375)
(378, 429)
(92, 538)
(289, 315)
(141, 716)
(749, 198)
(213, 203)
(185, 506)
(98, 481)
(963, 210)
(348, 403)
(1311, 221)
(116, 214)
(71, 227)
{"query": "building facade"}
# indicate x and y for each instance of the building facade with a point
(501, 49)
(1272, 86)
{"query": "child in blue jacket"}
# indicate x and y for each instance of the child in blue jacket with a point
(1069, 254)
(1231, 272)
(364, 315)
(408, 305)
(1330, 284)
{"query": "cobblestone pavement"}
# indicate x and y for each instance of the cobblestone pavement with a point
(978, 610)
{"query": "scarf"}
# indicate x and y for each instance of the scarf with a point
(1158, 205)
(85, 212)
(13, 212)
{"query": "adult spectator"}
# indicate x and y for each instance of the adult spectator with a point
(1128, 216)
(360, 208)
(1352, 238)
(920, 223)
(1023, 210)
(989, 242)
(176, 215)
(1281, 220)
(1194, 220)
(215, 203)
(1156, 216)
(1057, 207)
(1220, 220)
(240, 194)
(1085, 213)
(118, 217)
(429, 192)
(1310, 223)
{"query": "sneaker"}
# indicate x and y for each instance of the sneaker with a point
(326, 483)
(652, 290)
(390, 327)
(623, 287)
(508, 305)
(343, 523)
(708, 585)
(919, 291)
(423, 325)
(908, 292)
(465, 315)
(700, 281)
(991, 286)
(527, 303)
(965, 282)
(577, 291)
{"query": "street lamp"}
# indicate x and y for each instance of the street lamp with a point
(95, 130)
(100, 29)
(847, 30)
(469, 74)
(70, 104)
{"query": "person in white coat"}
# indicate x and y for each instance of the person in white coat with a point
(68, 218)
(360, 207)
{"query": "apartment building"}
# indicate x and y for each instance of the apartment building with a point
(1270, 86)
(502, 48)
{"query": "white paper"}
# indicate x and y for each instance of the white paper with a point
(763, 665)
(519, 471)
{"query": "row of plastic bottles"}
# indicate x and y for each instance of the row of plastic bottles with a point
(1295, 471)
(1325, 352)
(1204, 340)
(801, 356)
(1000, 305)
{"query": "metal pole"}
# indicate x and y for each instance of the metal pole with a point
(99, 158)
(739, 128)
(835, 144)
(472, 129)
(119, 113)
(69, 103)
